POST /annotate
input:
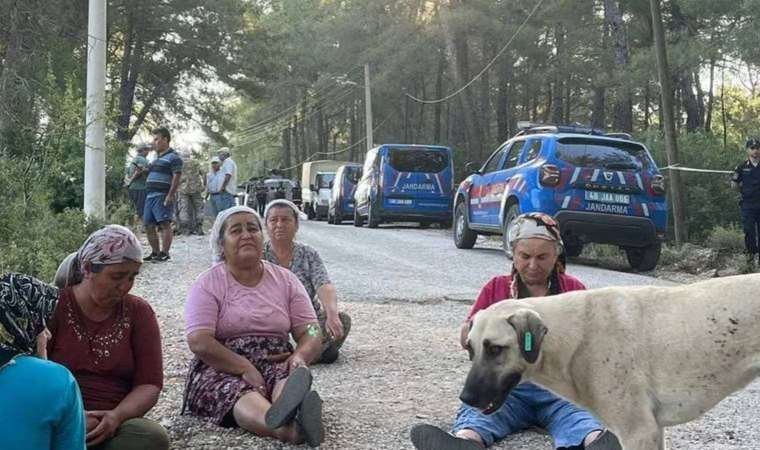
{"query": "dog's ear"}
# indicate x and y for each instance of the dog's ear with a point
(530, 333)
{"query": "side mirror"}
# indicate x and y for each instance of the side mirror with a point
(472, 167)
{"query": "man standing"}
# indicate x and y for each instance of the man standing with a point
(214, 181)
(228, 189)
(746, 179)
(137, 173)
(162, 184)
(190, 197)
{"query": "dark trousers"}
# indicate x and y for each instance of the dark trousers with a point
(751, 225)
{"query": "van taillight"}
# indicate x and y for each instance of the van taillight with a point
(549, 175)
(658, 184)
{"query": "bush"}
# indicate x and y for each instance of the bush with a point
(726, 240)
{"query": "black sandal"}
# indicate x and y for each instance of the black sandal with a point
(284, 409)
(606, 441)
(428, 437)
(309, 417)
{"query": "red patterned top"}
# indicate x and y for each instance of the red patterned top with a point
(107, 358)
(498, 289)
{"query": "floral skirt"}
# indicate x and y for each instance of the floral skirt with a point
(212, 394)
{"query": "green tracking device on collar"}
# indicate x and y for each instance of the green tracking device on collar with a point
(528, 341)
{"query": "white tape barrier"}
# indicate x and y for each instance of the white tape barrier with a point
(691, 169)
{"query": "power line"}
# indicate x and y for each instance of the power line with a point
(263, 135)
(266, 127)
(343, 150)
(287, 110)
(487, 66)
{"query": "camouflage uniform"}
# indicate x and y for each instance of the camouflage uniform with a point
(191, 188)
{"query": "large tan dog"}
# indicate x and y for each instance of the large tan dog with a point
(639, 358)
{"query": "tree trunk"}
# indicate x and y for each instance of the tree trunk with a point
(503, 128)
(598, 113)
(438, 108)
(623, 107)
(647, 106)
(458, 49)
(671, 144)
(556, 92)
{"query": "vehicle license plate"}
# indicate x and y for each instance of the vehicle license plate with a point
(608, 197)
(399, 201)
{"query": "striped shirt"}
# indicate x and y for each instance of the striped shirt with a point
(162, 169)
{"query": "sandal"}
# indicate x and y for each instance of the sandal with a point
(606, 441)
(428, 437)
(285, 407)
(309, 417)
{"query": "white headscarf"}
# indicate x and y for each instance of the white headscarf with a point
(282, 203)
(216, 237)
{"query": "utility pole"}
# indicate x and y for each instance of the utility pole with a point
(95, 135)
(368, 107)
(669, 127)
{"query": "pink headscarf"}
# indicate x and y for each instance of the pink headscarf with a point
(112, 244)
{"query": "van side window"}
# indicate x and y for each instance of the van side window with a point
(493, 164)
(534, 150)
(514, 155)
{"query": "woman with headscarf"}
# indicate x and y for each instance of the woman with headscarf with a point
(42, 406)
(538, 270)
(281, 217)
(238, 315)
(109, 339)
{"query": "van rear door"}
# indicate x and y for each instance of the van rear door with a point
(417, 177)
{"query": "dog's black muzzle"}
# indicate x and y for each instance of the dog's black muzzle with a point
(486, 391)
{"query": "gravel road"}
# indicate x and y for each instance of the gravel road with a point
(407, 290)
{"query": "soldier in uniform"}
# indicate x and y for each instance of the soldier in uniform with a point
(746, 179)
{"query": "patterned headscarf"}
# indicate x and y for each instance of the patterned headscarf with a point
(216, 237)
(537, 226)
(112, 244)
(26, 304)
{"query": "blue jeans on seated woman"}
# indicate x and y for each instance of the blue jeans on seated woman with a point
(526, 406)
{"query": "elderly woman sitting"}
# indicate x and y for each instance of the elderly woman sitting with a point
(281, 218)
(42, 406)
(110, 341)
(238, 316)
(538, 270)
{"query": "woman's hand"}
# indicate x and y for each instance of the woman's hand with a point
(108, 422)
(295, 361)
(334, 326)
(253, 377)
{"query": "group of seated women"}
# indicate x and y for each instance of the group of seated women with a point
(82, 359)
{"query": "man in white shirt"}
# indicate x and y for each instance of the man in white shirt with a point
(228, 190)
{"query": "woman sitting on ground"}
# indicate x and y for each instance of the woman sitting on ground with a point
(281, 217)
(538, 270)
(238, 316)
(110, 341)
(42, 407)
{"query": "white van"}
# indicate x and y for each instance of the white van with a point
(315, 190)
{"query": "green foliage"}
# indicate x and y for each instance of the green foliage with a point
(708, 197)
(726, 239)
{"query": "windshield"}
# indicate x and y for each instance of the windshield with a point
(353, 174)
(324, 179)
(418, 160)
(597, 153)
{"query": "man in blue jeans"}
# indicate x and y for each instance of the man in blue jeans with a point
(161, 187)
(746, 179)
(538, 270)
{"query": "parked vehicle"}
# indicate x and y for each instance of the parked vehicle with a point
(403, 182)
(602, 188)
(341, 206)
(267, 190)
(315, 194)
